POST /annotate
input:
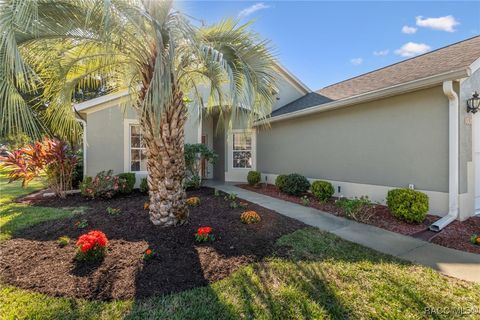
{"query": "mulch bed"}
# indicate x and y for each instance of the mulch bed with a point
(456, 235)
(33, 260)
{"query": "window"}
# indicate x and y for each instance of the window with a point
(242, 150)
(138, 156)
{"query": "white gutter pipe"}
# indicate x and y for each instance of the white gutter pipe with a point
(84, 136)
(453, 118)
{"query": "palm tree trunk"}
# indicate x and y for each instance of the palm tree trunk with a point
(166, 164)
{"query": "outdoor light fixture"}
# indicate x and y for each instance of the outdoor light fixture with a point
(473, 104)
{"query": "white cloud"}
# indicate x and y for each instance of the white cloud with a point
(409, 30)
(356, 61)
(411, 49)
(446, 23)
(253, 8)
(381, 53)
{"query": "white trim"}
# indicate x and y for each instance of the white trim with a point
(85, 145)
(474, 66)
(373, 95)
(100, 102)
(240, 174)
(127, 123)
(292, 79)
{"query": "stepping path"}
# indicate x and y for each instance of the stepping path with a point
(451, 262)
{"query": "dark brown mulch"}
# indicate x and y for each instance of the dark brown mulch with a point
(456, 235)
(33, 260)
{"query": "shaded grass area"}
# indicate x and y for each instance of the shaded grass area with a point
(315, 275)
(17, 216)
(318, 276)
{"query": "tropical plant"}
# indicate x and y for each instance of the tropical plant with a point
(51, 156)
(149, 50)
(194, 154)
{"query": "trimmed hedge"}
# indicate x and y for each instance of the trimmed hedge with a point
(144, 185)
(280, 181)
(130, 179)
(322, 190)
(408, 205)
(295, 184)
(253, 177)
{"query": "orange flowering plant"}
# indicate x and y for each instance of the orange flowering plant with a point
(91, 246)
(204, 234)
(249, 217)
(193, 201)
(149, 254)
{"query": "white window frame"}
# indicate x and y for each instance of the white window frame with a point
(127, 141)
(240, 174)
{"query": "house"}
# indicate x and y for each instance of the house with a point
(405, 125)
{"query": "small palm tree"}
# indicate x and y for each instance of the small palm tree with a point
(53, 49)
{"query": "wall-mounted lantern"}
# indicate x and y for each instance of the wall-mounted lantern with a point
(473, 104)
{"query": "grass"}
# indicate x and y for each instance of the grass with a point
(17, 216)
(319, 276)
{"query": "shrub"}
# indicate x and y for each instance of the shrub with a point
(194, 155)
(193, 201)
(204, 234)
(253, 178)
(280, 181)
(322, 190)
(91, 246)
(295, 184)
(475, 239)
(52, 156)
(144, 185)
(84, 185)
(408, 205)
(129, 179)
(249, 217)
(63, 241)
(358, 209)
(113, 211)
(104, 185)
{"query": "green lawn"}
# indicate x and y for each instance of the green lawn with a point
(16, 216)
(321, 277)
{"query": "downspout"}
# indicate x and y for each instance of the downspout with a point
(453, 173)
(84, 137)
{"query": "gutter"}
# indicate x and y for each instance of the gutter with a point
(452, 158)
(84, 137)
(373, 95)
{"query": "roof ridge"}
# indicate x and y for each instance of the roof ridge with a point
(399, 62)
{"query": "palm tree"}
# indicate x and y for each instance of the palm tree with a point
(55, 48)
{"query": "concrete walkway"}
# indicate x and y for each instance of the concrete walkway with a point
(451, 262)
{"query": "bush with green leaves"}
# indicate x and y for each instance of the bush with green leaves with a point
(130, 179)
(280, 181)
(295, 184)
(253, 178)
(408, 205)
(104, 185)
(322, 190)
(194, 155)
(358, 209)
(144, 185)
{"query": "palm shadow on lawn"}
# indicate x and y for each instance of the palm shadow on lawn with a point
(33, 260)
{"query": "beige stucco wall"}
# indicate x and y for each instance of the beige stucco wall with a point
(392, 142)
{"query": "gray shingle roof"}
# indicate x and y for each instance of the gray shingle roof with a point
(309, 100)
(453, 57)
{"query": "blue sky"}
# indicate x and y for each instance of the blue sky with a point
(326, 42)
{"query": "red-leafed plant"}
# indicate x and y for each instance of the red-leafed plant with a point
(204, 234)
(91, 246)
(52, 156)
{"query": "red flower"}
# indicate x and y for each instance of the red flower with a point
(91, 240)
(148, 252)
(204, 230)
